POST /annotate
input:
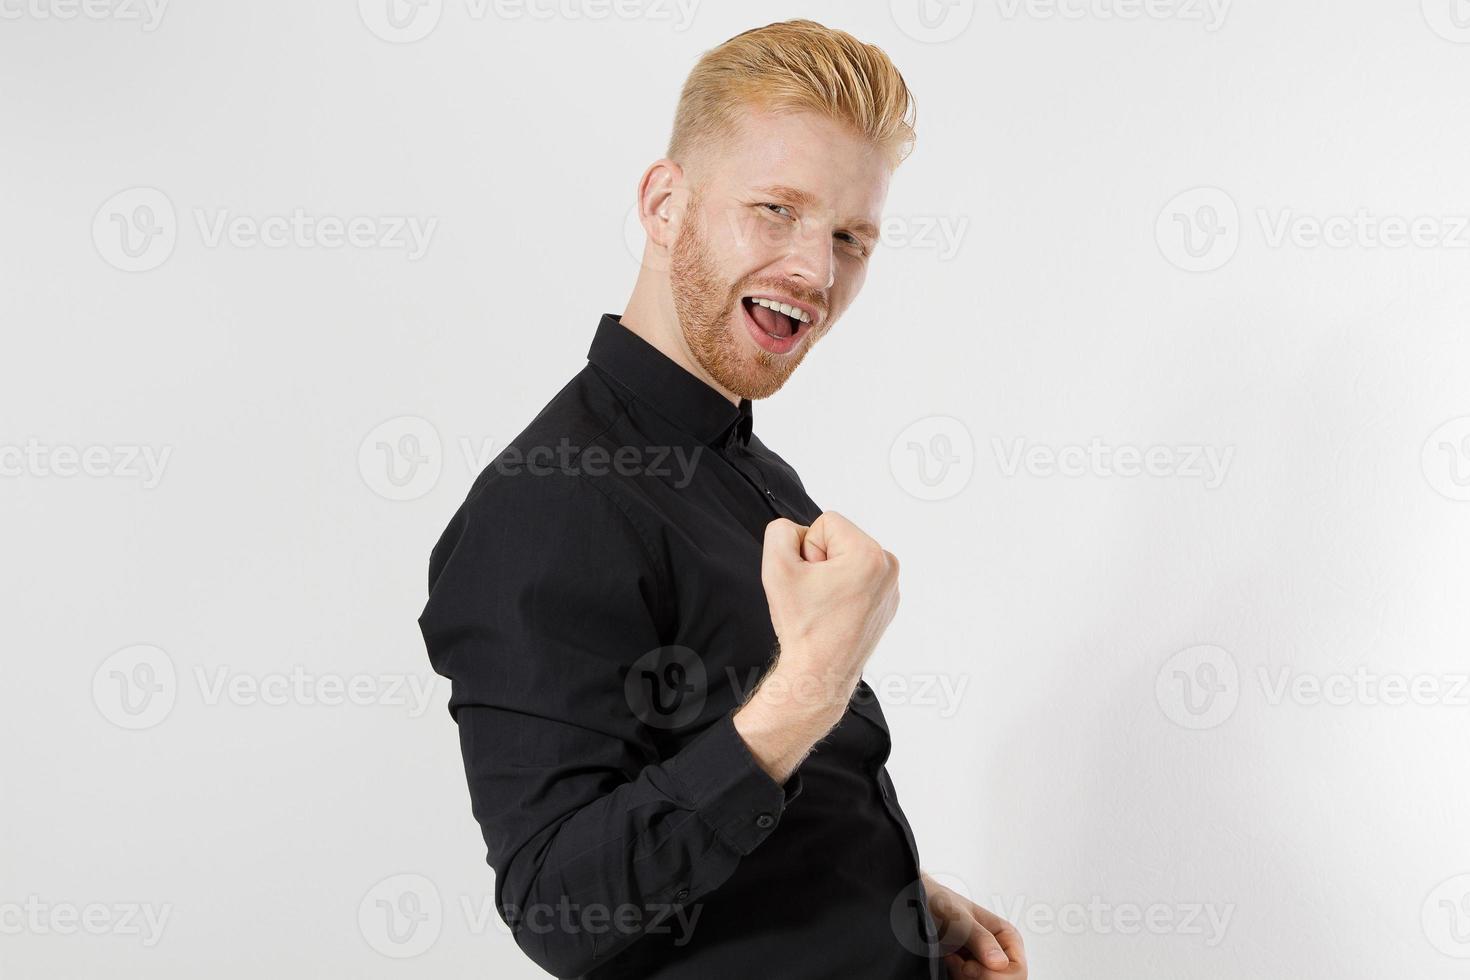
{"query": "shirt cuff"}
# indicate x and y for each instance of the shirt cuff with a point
(727, 787)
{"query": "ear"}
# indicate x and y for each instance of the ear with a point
(662, 197)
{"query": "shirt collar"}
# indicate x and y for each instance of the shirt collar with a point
(666, 387)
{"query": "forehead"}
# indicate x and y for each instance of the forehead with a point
(804, 152)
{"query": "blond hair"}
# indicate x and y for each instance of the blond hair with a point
(792, 66)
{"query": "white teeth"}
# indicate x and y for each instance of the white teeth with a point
(789, 310)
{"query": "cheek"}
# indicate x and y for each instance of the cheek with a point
(851, 276)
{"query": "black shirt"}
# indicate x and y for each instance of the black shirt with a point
(597, 603)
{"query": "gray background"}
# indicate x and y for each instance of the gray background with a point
(1185, 723)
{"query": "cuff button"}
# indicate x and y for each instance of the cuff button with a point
(765, 821)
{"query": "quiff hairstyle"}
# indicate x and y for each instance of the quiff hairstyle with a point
(793, 66)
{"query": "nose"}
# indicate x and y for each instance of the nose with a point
(810, 257)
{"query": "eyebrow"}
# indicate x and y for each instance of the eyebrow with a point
(804, 200)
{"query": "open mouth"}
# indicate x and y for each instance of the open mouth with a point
(771, 325)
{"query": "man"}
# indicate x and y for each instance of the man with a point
(655, 637)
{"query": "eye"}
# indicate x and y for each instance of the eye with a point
(855, 243)
(778, 208)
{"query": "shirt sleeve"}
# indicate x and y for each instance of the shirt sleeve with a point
(542, 596)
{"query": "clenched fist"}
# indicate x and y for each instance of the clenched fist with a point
(832, 591)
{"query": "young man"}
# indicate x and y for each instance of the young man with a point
(659, 798)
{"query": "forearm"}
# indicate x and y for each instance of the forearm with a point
(571, 846)
(788, 715)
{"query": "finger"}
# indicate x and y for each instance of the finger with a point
(1006, 934)
(953, 921)
(836, 535)
(983, 944)
(955, 967)
(783, 541)
(812, 549)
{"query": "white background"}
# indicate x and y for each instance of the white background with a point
(1122, 740)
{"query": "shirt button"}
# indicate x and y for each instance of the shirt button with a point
(765, 821)
(681, 895)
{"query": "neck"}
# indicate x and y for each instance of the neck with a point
(651, 315)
